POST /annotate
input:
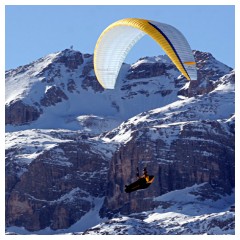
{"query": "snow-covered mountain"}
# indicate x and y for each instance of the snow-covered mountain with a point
(62, 87)
(54, 91)
(71, 146)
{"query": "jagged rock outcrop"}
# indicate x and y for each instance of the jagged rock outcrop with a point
(209, 71)
(18, 113)
(148, 70)
(54, 95)
(71, 59)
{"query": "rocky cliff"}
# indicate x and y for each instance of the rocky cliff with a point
(53, 178)
(72, 146)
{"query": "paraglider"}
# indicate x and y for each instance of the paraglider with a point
(117, 40)
(142, 182)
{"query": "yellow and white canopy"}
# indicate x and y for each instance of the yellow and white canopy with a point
(117, 40)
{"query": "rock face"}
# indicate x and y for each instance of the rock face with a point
(71, 59)
(146, 70)
(71, 146)
(55, 95)
(58, 186)
(18, 113)
(209, 71)
(203, 152)
(178, 148)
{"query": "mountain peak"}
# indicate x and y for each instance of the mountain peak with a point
(202, 55)
(151, 60)
(70, 58)
(206, 61)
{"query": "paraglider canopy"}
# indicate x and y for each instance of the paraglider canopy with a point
(118, 39)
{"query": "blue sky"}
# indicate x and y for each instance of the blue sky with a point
(32, 32)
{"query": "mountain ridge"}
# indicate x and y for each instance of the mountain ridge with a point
(64, 84)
